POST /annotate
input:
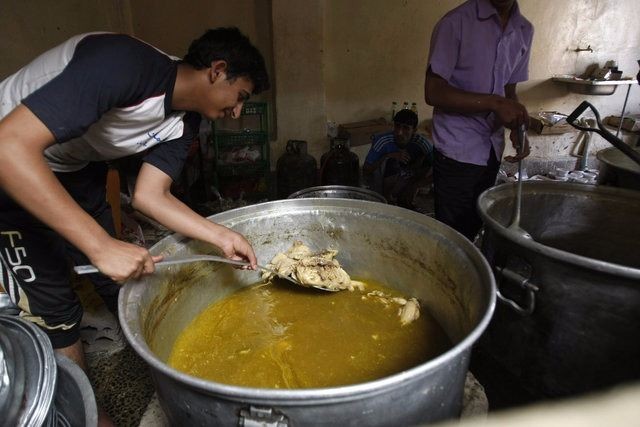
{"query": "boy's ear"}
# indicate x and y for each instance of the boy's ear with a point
(218, 69)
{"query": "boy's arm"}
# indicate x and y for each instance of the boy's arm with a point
(152, 196)
(26, 177)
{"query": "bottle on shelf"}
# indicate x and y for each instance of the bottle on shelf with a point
(405, 105)
(414, 107)
(394, 108)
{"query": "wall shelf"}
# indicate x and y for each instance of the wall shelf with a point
(592, 87)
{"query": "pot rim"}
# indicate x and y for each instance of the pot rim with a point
(604, 157)
(332, 189)
(490, 196)
(328, 394)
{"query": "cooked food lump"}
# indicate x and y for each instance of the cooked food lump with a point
(323, 270)
(409, 311)
(309, 269)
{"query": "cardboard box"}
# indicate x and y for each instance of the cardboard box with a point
(543, 127)
(360, 133)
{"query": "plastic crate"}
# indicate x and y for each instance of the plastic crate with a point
(253, 118)
(240, 138)
(242, 169)
(241, 147)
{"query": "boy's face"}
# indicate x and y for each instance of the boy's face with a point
(225, 98)
(403, 133)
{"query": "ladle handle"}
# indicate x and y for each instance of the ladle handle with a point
(89, 269)
(520, 138)
(85, 269)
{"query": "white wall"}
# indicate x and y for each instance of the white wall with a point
(347, 60)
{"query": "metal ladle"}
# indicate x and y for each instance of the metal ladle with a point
(88, 269)
(515, 221)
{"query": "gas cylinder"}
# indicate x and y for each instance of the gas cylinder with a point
(340, 166)
(295, 169)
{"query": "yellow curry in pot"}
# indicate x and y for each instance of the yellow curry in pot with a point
(277, 336)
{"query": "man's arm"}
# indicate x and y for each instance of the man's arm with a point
(440, 94)
(152, 196)
(376, 158)
(26, 177)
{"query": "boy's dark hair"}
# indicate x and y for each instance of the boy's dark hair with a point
(406, 117)
(230, 45)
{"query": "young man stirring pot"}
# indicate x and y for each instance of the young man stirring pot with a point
(99, 97)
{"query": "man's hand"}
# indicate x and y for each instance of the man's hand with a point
(122, 261)
(440, 94)
(522, 153)
(511, 113)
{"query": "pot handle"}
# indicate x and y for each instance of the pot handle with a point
(261, 417)
(523, 282)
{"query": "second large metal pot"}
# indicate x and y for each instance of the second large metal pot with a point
(339, 192)
(618, 170)
(413, 253)
(569, 317)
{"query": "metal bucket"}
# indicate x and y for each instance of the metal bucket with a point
(38, 387)
(339, 192)
(416, 254)
(74, 399)
(568, 320)
(617, 169)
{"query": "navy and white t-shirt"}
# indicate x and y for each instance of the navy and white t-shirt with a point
(385, 143)
(104, 96)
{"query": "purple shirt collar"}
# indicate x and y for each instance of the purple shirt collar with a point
(486, 10)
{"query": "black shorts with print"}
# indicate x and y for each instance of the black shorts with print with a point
(35, 261)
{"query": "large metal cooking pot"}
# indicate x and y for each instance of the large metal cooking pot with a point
(617, 169)
(569, 317)
(415, 254)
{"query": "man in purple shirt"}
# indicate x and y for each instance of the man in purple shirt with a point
(479, 52)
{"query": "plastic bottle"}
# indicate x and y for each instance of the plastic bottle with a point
(405, 105)
(414, 107)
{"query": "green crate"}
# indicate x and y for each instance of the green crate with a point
(243, 169)
(250, 130)
(254, 117)
(240, 138)
(234, 152)
(255, 108)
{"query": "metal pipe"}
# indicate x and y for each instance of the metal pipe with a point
(624, 107)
